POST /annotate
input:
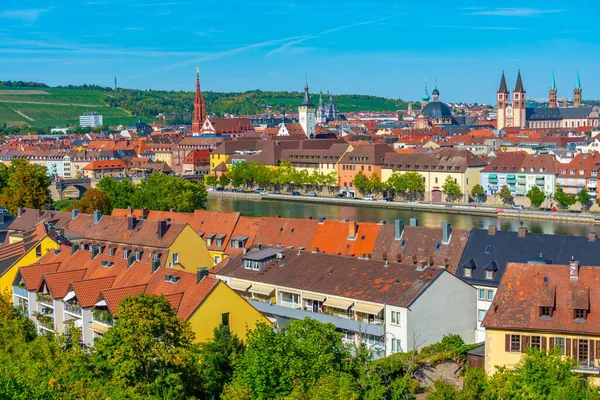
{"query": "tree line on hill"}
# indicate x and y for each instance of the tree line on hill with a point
(150, 353)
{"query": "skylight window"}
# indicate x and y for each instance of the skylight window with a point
(488, 248)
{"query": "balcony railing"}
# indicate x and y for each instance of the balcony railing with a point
(20, 291)
(44, 298)
(47, 321)
(102, 316)
(73, 308)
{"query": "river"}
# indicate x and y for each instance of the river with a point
(262, 208)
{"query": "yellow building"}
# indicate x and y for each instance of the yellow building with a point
(164, 155)
(460, 165)
(545, 306)
(24, 251)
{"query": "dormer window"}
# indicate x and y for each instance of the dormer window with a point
(489, 275)
(125, 254)
(579, 314)
(138, 256)
(546, 312)
(468, 272)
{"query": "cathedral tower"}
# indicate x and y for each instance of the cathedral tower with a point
(199, 112)
(519, 108)
(321, 111)
(435, 95)
(552, 100)
(577, 92)
(425, 97)
(306, 114)
(502, 100)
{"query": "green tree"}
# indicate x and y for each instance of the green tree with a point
(92, 200)
(217, 359)
(150, 348)
(240, 174)
(536, 196)
(162, 192)
(564, 199)
(451, 189)
(27, 186)
(375, 183)
(584, 197)
(362, 183)
(506, 195)
(477, 192)
(120, 192)
(210, 180)
(224, 180)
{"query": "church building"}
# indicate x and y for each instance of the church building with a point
(306, 114)
(519, 115)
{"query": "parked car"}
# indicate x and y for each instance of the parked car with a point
(259, 190)
(210, 189)
(263, 193)
(295, 193)
(276, 191)
(220, 189)
(313, 194)
(340, 195)
(518, 207)
(388, 199)
(239, 190)
(369, 198)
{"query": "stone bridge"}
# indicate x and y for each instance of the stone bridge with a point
(69, 189)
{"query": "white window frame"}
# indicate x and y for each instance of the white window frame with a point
(479, 316)
(395, 317)
(175, 258)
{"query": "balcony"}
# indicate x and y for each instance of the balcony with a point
(20, 291)
(73, 308)
(102, 316)
(522, 180)
(44, 298)
(46, 321)
(341, 321)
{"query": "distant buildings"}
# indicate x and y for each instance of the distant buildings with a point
(90, 120)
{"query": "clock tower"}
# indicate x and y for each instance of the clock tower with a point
(306, 114)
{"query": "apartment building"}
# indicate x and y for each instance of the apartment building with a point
(545, 307)
(390, 306)
(581, 172)
(367, 158)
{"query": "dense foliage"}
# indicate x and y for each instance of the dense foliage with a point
(23, 184)
(536, 196)
(564, 199)
(506, 195)
(159, 192)
(451, 189)
(92, 200)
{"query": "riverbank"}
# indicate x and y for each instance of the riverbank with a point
(445, 208)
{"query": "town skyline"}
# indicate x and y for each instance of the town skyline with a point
(388, 51)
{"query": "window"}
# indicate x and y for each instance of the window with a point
(111, 251)
(468, 272)
(480, 315)
(490, 295)
(396, 347)
(290, 298)
(481, 294)
(488, 248)
(560, 342)
(579, 313)
(125, 254)
(38, 251)
(138, 256)
(515, 343)
(175, 258)
(594, 173)
(436, 180)
(217, 259)
(536, 342)
(546, 312)
(489, 275)
(219, 242)
(225, 319)
(396, 317)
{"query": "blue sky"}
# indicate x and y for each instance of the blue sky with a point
(374, 47)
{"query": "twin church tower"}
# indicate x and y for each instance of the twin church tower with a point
(515, 115)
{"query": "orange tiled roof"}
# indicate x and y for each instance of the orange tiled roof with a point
(105, 164)
(32, 275)
(88, 291)
(58, 282)
(333, 237)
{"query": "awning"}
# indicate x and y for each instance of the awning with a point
(98, 327)
(262, 289)
(69, 296)
(366, 308)
(220, 236)
(293, 291)
(338, 303)
(492, 176)
(313, 296)
(238, 285)
(510, 177)
(210, 235)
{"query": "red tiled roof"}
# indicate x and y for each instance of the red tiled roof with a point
(114, 296)
(58, 282)
(88, 291)
(33, 274)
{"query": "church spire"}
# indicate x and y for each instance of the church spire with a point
(553, 85)
(552, 98)
(503, 88)
(199, 111)
(306, 101)
(519, 86)
(436, 93)
(577, 92)
(426, 97)
(578, 82)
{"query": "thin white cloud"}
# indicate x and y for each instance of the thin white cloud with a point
(514, 12)
(287, 46)
(30, 15)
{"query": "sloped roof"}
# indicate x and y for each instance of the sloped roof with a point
(32, 275)
(114, 296)
(88, 291)
(333, 237)
(58, 282)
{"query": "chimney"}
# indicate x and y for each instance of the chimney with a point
(414, 258)
(414, 221)
(310, 217)
(446, 232)
(492, 230)
(129, 211)
(20, 211)
(171, 210)
(201, 274)
(399, 229)
(384, 256)
(321, 220)
(522, 232)
(592, 236)
(260, 246)
(74, 213)
(399, 257)
(162, 228)
(131, 221)
(315, 250)
(97, 216)
(574, 269)
(352, 230)
(145, 212)
(382, 222)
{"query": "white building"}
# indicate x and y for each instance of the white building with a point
(392, 307)
(90, 120)
(306, 114)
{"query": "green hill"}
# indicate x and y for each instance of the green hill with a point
(45, 107)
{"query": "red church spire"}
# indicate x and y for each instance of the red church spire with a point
(199, 113)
